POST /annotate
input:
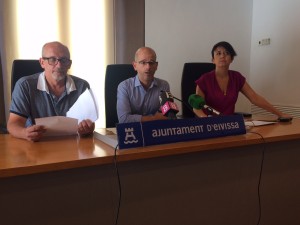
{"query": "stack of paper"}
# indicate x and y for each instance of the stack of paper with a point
(107, 135)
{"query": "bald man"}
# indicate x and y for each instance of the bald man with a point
(138, 97)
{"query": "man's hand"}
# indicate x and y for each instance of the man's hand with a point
(34, 133)
(159, 116)
(156, 116)
(16, 127)
(86, 127)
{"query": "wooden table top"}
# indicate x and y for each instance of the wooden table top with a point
(21, 157)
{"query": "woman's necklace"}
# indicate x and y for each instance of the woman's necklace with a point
(223, 84)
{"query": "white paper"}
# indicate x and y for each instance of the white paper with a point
(107, 135)
(58, 125)
(255, 123)
(84, 108)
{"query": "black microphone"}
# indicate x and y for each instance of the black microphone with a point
(197, 102)
(168, 106)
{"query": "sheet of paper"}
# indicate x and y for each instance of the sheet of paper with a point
(255, 123)
(84, 108)
(58, 125)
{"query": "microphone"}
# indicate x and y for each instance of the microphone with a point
(197, 102)
(168, 106)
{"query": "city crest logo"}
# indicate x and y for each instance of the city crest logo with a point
(129, 136)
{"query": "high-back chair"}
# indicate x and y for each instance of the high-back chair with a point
(24, 67)
(115, 74)
(191, 72)
(21, 68)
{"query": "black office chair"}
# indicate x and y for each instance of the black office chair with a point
(24, 67)
(191, 72)
(21, 68)
(115, 73)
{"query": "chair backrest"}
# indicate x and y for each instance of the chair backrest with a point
(191, 72)
(115, 74)
(24, 67)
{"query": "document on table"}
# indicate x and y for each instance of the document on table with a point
(58, 125)
(84, 108)
(255, 123)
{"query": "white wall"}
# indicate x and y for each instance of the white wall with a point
(275, 67)
(185, 31)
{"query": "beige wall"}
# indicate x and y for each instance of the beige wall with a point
(185, 31)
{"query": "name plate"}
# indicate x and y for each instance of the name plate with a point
(131, 135)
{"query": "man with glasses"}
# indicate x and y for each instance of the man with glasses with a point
(138, 97)
(50, 93)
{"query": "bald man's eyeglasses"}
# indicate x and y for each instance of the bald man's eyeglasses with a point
(144, 63)
(53, 61)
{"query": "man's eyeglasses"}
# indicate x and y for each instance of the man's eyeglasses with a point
(53, 61)
(144, 63)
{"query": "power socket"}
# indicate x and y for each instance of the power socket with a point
(265, 41)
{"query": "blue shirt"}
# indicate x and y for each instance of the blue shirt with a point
(31, 97)
(133, 101)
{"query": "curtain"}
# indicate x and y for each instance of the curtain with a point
(2, 99)
(2, 106)
(129, 29)
(85, 27)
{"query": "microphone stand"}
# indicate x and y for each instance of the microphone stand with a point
(187, 105)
